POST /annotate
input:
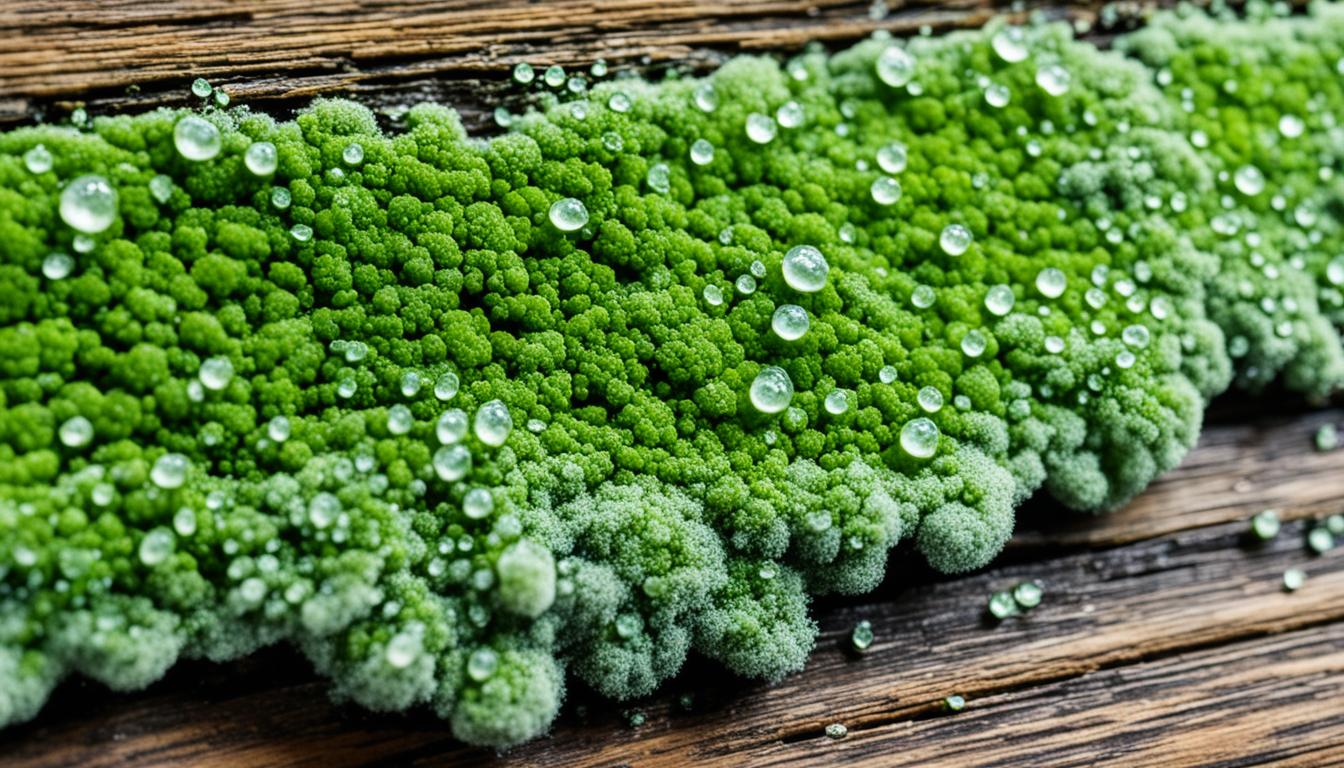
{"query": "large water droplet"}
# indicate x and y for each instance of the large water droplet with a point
(1054, 79)
(353, 154)
(1010, 44)
(216, 372)
(805, 269)
(169, 471)
(89, 204)
(892, 157)
(402, 650)
(323, 509)
(451, 463)
(973, 343)
(955, 239)
(999, 300)
(261, 158)
(760, 128)
(837, 402)
(493, 423)
(997, 95)
(923, 297)
(919, 438)
(887, 374)
(1135, 336)
(895, 66)
(399, 419)
(278, 429)
(1051, 282)
(885, 190)
(451, 426)
(772, 390)
(156, 546)
(790, 114)
(930, 399)
(790, 322)
(568, 214)
(659, 178)
(38, 159)
(445, 387)
(713, 295)
(478, 503)
(523, 73)
(481, 665)
(57, 265)
(702, 152)
(705, 97)
(1249, 180)
(76, 432)
(196, 138)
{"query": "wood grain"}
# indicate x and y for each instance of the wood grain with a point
(1114, 617)
(275, 53)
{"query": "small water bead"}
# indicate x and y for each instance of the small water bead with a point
(997, 95)
(887, 374)
(745, 285)
(713, 295)
(892, 157)
(790, 322)
(555, 76)
(261, 158)
(837, 402)
(478, 503)
(885, 190)
(353, 154)
(156, 546)
(301, 232)
(955, 239)
(523, 73)
(536, 426)
(659, 178)
(569, 214)
(1054, 345)
(923, 297)
(451, 463)
(1054, 79)
(705, 98)
(410, 384)
(1095, 298)
(170, 471)
(445, 387)
(579, 110)
(836, 731)
(805, 269)
(200, 87)
(599, 68)
(790, 114)
(278, 429)
(451, 426)
(1136, 336)
(613, 142)
(1010, 44)
(481, 665)
(38, 159)
(919, 438)
(281, 198)
(493, 423)
(757, 269)
(772, 390)
(848, 234)
(618, 102)
(399, 419)
(83, 244)
(999, 300)
(1125, 359)
(895, 66)
(76, 432)
(973, 343)
(1334, 271)
(89, 204)
(702, 152)
(221, 98)
(184, 521)
(1249, 180)
(930, 399)
(216, 372)
(196, 138)
(1051, 282)
(577, 85)
(57, 265)
(760, 128)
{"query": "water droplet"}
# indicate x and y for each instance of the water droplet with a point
(837, 402)
(618, 102)
(760, 128)
(478, 503)
(955, 239)
(200, 87)
(887, 374)
(973, 343)
(999, 300)
(702, 152)
(1125, 359)
(221, 98)
(628, 625)
(919, 438)
(848, 234)
(169, 471)
(493, 423)
(599, 68)
(278, 429)
(301, 232)
(1010, 44)
(280, 198)
(38, 159)
(216, 372)
(790, 114)
(353, 154)
(895, 66)
(1291, 126)
(1136, 336)
(659, 178)
(713, 295)
(156, 546)
(885, 190)
(536, 426)
(445, 387)
(261, 158)
(805, 269)
(1054, 79)
(399, 419)
(1054, 345)
(184, 521)
(523, 73)
(705, 97)
(76, 432)
(790, 322)
(1334, 271)
(930, 399)
(1249, 180)
(772, 390)
(1051, 282)
(481, 665)
(555, 76)
(451, 426)
(568, 214)
(196, 138)
(57, 265)
(745, 284)
(757, 269)
(410, 384)
(89, 204)
(893, 157)
(836, 731)
(402, 650)
(451, 463)
(997, 95)
(323, 509)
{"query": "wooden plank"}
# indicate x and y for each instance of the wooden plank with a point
(57, 53)
(1192, 588)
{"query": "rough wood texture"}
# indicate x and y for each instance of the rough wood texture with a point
(1166, 640)
(277, 53)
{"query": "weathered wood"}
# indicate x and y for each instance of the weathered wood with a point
(276, 53)
(1111, 615)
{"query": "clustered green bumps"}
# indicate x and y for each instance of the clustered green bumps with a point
(311, 490)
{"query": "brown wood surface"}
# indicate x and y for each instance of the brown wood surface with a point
(110, 54)
(1165, 639)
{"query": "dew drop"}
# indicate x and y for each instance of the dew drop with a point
(451, 426)
(892, 157)
(1051, 282)
(216, 372)
(619, 102)
(156, 546)
(836, 403)
(999, 300)
(704, 96)
(301, 232)
(76, 432)
(1291, 126)
(772, 390)
(702, 152)
(713, 295)
(923, 297)
(451, 463)
(481, 664)
(323, 509)
(885, 190)
(493, 423)
(790, 114)
(745, 284)
(38, 159)
(280, 198)
(1054, 345)
(169, 471)
(659, 178)
(997, 95)
(930, 399)
(887, 374)
(261, 158)
(1136, 336)
(57, 265)
(89, 204)
(1010, 44)
(919, 438)
(569, 214)
(790, 322)
(955, 239)
(200, 88)
(196, 138)
(1053, 79)
(895, 66)
(478, 503)
(353, 154)
(1249, 180)
(760, 128)
(445, 387)
(399, 419)
(805, 269)
(523, 73)
(973, 343)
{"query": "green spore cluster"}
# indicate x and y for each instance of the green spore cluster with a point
(460, 418)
